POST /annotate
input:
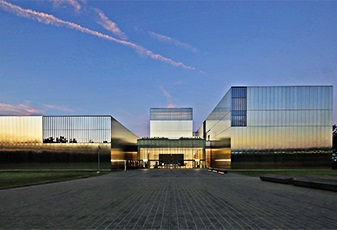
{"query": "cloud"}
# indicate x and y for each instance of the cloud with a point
(167, 94)
(25, 109)
(60, 108)
(170, 106)
(169, 98)
(52, 20)
(20, 109)
(103, 19)
(108, 24)
(176, 42)
(77, 6)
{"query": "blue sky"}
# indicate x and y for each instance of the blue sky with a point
(121, 58)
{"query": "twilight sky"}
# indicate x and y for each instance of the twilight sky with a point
(121, 58)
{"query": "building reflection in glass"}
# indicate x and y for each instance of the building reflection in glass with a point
(65, 142)
(271, 127)
(20, 129)
(168, 153)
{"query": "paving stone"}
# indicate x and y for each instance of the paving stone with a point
(167, 199)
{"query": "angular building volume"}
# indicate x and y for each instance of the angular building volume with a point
(171, 143)
(76, 142)
(270, 127)
(251, 127)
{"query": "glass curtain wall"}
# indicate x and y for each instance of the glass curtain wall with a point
(192, 150)
(123, 147)
(216, 130)
(286, 118)
(239, 107)
(77, 129)
(81, 142)
(287, 127)
(20, 129)
(163, 114)
(171, 122)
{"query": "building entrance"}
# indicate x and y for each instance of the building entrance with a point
(171, 160)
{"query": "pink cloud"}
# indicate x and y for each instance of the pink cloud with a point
(167, 94)
(52, 20)
(60, 108)
(168, 97)
(176, 42)
(73, 3)
(108, 24)
(170, 106)
(20, 109)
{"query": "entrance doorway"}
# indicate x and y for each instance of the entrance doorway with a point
(171, 160)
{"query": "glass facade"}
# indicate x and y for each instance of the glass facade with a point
(150, 150)
(217, 125)
(164, 114)
(83, 142)
(123, 147)
(272, 126)
(286, 118)
(171, 122)
(251, 127)
(239, 106)
(20, 129)
(77, 129)
(171, 142)
(216, 130)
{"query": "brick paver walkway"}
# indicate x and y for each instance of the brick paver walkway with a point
(167, 199)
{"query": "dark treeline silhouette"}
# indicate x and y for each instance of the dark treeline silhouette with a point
(60, 139)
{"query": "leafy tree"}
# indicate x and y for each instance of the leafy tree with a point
(73, 140)
(48, 140)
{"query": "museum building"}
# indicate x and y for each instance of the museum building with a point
(251, 127)
(77, 142)
(270, 127)
(171, 143)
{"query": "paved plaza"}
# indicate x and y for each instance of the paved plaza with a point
(167, 199)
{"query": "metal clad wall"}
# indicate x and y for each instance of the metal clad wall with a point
(218, 123)
(286, 118)
(163, 114)
(284, 126)
(85, 129)
(171, 122)
(20, 129)
(239, 107)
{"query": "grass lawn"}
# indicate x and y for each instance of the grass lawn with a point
(315, 174)
(13, 179)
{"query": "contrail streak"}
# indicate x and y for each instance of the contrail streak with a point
(108, 24)
(52, 20)
(176, 42)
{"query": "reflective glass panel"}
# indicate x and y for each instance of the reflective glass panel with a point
(77, 129)
(20, 129)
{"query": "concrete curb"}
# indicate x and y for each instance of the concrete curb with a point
(217, 170)
(278, 179)
(329, 186)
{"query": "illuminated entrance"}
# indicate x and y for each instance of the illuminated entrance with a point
(171, 160)
(169, 153)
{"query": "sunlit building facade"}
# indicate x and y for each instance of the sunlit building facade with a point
(270, 127)
(171, 142)
(251, 127)
(84, 142)
(171, 123)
